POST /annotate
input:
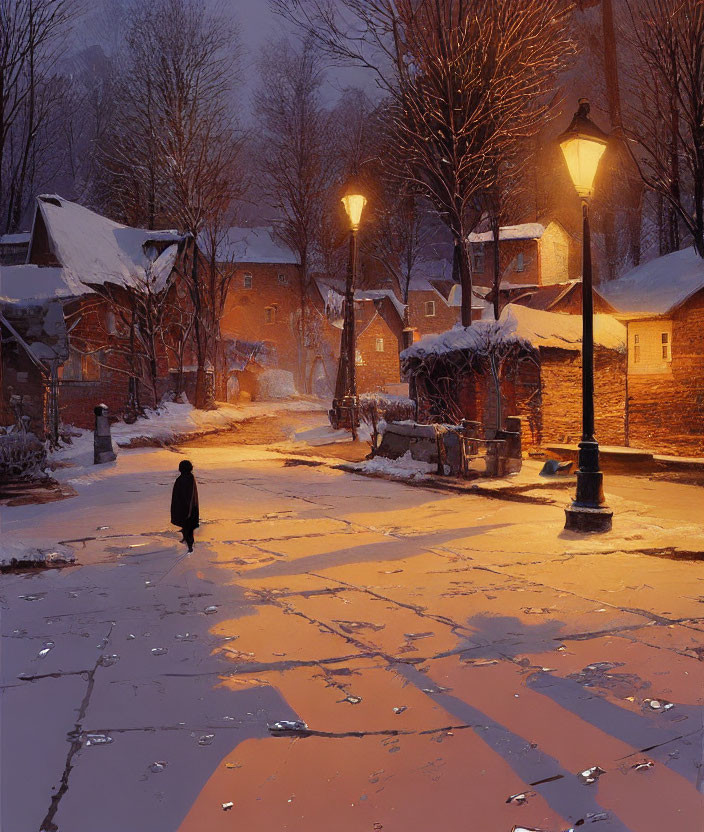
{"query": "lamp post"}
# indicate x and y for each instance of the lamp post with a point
(583, 144)
(345, 405)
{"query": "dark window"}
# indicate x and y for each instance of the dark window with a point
(478, 258)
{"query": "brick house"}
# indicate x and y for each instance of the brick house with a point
(435, 300)
(379, 325)
(662, 305)
(540, 375)
(263, 304)
(95, 268)
(531, 254)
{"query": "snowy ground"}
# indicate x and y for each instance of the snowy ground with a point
(447, 651)
(180, 421)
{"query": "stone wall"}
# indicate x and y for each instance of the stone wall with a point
(561, 395)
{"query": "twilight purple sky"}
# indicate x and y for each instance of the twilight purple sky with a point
(257, 26)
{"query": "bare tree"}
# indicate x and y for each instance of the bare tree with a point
(136, 323)
(175, 154)
(668, 124)
(295, 158)
(464, 78)
(31, 34)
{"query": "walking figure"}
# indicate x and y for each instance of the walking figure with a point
(184, 503)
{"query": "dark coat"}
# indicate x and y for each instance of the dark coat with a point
(184, 502)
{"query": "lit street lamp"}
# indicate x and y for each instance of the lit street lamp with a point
(583, 144)
(345, 405)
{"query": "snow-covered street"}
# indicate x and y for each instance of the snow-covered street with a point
(446, 651)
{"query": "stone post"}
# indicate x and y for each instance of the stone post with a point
(102, 441)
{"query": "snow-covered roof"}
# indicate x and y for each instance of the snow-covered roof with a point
(656, 287)
(96, 250)
(525, 231)
(92, 251)
(21, 238)
(378, 294)
(23, 283)
(253, 245)
(522, 326)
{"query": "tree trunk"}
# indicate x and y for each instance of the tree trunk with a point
(465, 274)
(495, 230)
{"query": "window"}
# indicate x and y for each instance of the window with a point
(358, 357)
(478, 258)
(270, 315)
(380, 345)
(110, 322)
(247, 281)
(665, 346)
(636, 349)
(520, 262)
(80, 367)
(430, 309)
(283, 280)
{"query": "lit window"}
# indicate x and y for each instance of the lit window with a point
(270, 315)
(478, 258)
(90, 369)
(430, 309)
(248, 281)
(283, 280)
(358, 357)
(80, 367)
(380, 345)
(665, 342)
(520, 262)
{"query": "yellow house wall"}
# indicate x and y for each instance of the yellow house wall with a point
(650, 334)
(554, 255)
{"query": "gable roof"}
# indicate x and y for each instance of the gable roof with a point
(525, 231)
(253, 245)
(657, 287)
(88, 250)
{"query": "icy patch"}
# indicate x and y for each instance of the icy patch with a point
(404, 467)
(19, 554)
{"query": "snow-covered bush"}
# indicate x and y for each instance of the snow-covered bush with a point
(22, 455)
(275, 384)
(375, 407)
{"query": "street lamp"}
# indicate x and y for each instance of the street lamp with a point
(345, 405)
(583, 144)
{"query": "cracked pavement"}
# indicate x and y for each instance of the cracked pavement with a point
(446, 652)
